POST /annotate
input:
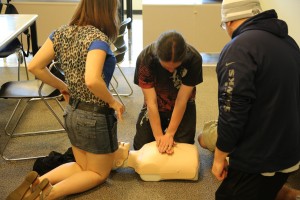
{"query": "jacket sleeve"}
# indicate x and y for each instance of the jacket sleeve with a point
(236, 92)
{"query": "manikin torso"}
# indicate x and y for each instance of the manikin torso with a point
(154, 166)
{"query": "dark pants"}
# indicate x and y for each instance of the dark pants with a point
(184, 134)
(244, 186)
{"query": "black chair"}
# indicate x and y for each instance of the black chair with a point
(28, 91)
(15, 46)
(120, 50)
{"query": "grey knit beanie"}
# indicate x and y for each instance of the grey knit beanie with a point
(239, 9)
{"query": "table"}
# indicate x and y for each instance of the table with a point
(13, 25)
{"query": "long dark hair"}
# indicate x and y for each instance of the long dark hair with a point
(101, 14)
(171, 46)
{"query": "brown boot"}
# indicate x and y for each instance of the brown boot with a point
(42, 190)
(21, 190)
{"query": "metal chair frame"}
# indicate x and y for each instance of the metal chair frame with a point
(40, 96)
(119, 52)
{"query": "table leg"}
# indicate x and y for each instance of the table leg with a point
(34, 40)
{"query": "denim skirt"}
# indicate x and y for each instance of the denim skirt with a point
(91, 131)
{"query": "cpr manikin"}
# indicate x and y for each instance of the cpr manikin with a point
(154, 166)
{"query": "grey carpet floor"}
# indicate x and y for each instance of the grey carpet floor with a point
(122, 184)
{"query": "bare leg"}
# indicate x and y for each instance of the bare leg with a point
(62, 172)
(89, 171)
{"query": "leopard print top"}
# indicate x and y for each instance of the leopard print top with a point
(71, 44)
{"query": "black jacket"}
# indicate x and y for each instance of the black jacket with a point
(259, 96)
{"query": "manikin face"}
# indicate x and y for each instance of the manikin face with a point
(170, 65)
(121, 154)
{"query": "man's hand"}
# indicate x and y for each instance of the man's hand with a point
(219, 169)
(165, 144)
(220, 165)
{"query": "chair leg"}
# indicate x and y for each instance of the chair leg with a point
(130, 88)
(117, 83)
(52, 111)
(12, 134)
(17, 159)
(13, 114)
(117, 94)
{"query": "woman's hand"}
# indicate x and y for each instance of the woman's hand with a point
(65, 94)
(118, 107)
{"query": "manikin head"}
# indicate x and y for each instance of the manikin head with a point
(121, 155)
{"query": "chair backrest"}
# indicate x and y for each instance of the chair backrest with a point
(123, 25)
(120, 57)
(120, 50)
(120, 41)
(7, 8)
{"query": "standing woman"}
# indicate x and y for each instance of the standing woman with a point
(83, 50)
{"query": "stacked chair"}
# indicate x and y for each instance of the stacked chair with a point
(120, 50)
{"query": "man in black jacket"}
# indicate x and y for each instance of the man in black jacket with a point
(259, 104)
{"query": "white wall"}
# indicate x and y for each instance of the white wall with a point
(287, 10)
(198, 23)
(53, 14)
(137, 4)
